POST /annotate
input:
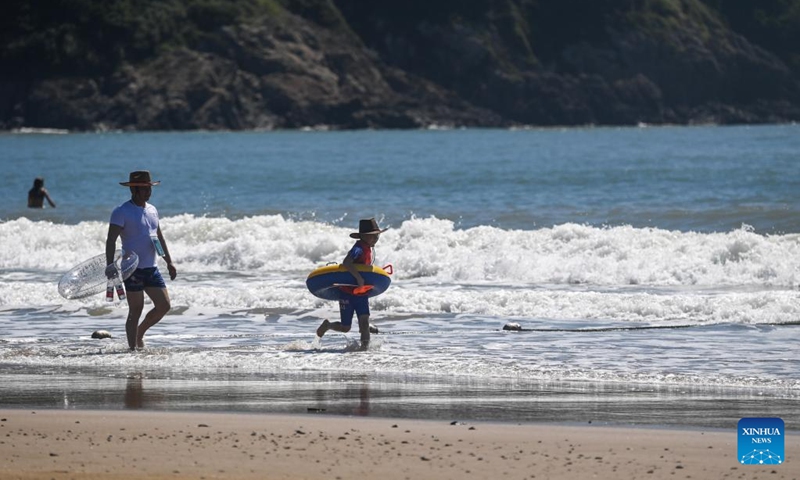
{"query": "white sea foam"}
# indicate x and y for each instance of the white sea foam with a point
(435, 250)
(566, 272)
(601, 304)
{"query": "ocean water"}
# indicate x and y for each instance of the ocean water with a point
(649, 269)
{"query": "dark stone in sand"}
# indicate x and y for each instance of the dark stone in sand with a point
(515, 327)
(101, 334)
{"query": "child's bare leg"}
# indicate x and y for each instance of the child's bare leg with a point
(335, 326)
(363, 328)
(323, 327)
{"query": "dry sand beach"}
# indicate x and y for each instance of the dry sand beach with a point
(70, 444)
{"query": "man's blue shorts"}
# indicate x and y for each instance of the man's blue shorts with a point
(144, 278)
(350, 304)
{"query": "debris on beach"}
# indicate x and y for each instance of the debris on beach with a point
(101, 334)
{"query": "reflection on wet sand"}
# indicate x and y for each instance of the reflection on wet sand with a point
(134, 393)
(399, 396)
(353, 399)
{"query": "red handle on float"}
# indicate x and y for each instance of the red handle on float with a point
(362, 290)
(388, 269)
(353, 289)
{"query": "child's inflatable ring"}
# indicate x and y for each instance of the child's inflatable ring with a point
(334, 282)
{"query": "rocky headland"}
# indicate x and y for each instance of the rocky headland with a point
(341, 64)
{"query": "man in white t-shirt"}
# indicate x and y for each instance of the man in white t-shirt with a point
(136, 222)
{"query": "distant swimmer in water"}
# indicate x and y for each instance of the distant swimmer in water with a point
(38, 194)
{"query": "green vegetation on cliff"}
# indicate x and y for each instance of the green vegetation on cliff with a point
(539, 30)
(186, 64)
(41, 38)
(58, 37)
(771, 24)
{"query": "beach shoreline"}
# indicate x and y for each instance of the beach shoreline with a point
(385, 395)
(64, 444)
(649, 321)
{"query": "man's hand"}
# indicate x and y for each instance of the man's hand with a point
(111, 271)
(172, 272)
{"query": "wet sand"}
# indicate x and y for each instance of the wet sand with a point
(401, 396)
(66, 444)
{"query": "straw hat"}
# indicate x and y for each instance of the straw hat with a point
(367, 226)
(139, 179)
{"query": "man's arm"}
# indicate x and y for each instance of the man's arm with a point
(111, 247)
(167, 257)
(111, 242)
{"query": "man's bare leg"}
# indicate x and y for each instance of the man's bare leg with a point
(161, 306)
(135, 306)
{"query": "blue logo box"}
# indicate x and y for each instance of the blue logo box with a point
(761, 441)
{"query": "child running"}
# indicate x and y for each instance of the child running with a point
(361, 254)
